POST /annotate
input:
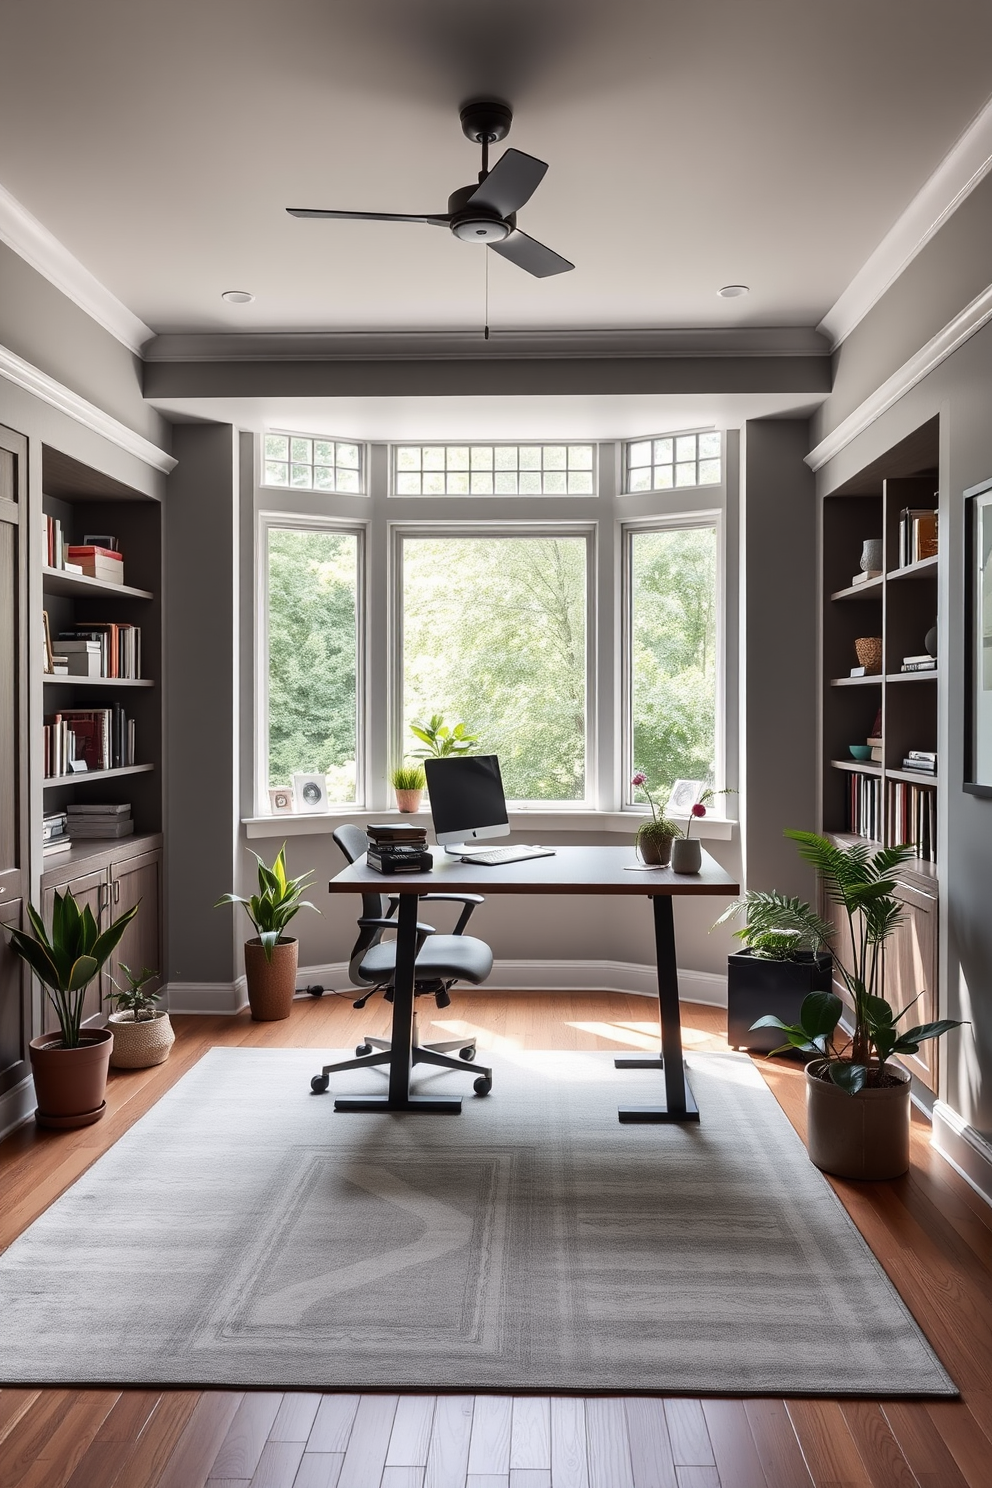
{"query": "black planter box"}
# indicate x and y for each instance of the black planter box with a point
(758, 987)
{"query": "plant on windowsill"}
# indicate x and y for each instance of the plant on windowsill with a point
(143, 1033)
(70, 1066)
(655, 837)
(409, 783)
(857, 1102)
(439, 741)
(271, 958)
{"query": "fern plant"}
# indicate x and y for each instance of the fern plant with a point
(777, 927)
(275, 904)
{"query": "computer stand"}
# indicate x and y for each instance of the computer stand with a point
(680, 1103)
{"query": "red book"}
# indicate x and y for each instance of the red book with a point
(76, 555)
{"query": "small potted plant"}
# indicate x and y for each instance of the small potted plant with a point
(143, 1033)
(409, 782)
(857, 1102)
(271, 958)
(655, 837)
(70, 1066)
(687, 855)
(784, 958)
(441, 742)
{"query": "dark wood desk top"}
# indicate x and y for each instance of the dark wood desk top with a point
(572, 870)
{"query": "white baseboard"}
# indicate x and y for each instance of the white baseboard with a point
(16, 1107)
(507, 976)
(965, 1149)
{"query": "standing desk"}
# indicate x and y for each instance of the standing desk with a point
(572, 870)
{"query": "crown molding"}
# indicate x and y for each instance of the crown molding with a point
(937, 350)
(321, 346)
(42, 250)
(23, 375)
(963, 168)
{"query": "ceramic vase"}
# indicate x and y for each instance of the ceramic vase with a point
(687, 855)
(871, 555)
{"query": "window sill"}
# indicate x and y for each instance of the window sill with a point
(717, 828)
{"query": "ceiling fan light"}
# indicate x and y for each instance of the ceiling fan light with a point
(237, 296)
(733, 291)
(480, 230)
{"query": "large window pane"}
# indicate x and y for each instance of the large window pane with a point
(313, 647)
(673, 654)
(494, 635)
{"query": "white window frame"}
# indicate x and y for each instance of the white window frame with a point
(494, 444)
(667, 492)
(303, 491)
(309, 522)
(399, 531)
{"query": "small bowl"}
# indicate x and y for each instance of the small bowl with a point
(860, 751)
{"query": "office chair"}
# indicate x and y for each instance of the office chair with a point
(441, 961)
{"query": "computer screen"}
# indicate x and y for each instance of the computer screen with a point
(466, 798)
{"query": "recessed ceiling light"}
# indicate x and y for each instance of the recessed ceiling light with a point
(733, 291)
(242, 296)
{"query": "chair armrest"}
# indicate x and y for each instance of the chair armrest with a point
(387, 924)
(468, 900)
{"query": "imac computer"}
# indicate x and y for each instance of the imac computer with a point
(468, 805)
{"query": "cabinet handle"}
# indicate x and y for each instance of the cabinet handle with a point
(117, 891)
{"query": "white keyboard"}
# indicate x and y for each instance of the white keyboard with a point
(492, 857)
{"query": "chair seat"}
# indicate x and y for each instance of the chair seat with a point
(442, 957)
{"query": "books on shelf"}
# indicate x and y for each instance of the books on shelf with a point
(876, 754)
(98, 820)
(922, 767)
(98, 563)
(78, 740)
(928, 664)
(917, 534)
(912, 817)
(864, 807)
(118, 646)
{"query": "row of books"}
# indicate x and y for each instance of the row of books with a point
(913, 817)
(100, 648)
(77, 740)
(924, 761)
(55, 833)
(89, 819)
(864, 807)
(917, 534)
(96, 558)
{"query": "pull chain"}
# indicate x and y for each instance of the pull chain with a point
(486, 256)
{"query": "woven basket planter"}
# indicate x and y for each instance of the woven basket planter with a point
(868, 650)
(139, 1045)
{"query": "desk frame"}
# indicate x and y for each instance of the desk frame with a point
(572, 870)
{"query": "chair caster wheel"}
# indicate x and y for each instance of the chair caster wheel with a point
(363, 1049)
(467, 1053)
(483, 1085)
(320, 1084)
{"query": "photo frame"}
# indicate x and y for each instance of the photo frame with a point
(309, 792)
(978, 640)
(684, 795)
(281, 800)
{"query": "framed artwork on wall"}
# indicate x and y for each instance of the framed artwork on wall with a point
(978, 640)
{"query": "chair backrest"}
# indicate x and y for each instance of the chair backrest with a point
(353, 842)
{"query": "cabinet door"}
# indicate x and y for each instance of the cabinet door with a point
(14, 1032)
(133, 880)
(911, 968)
(13, 461)
(91, 889)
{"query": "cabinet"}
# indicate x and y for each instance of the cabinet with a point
(882, 800)
(14, 1020)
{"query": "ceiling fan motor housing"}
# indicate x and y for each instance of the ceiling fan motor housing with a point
(476, 224)
(486, 120)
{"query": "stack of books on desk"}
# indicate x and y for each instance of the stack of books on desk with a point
(396, 848)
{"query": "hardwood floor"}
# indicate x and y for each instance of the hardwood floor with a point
(932, 1234)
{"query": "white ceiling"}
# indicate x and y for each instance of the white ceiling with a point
(691, 144)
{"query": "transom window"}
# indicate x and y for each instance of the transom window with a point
(302, 464)
(673, 461)
(493, 470)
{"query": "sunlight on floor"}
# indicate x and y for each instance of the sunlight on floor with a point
(647, 1035)
(461, 1028)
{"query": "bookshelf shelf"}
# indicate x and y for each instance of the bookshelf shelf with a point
(57, 581)
(86, 777)
(914, 777)
(875, 681)
(61, 681)
(924, 567)
(930, 675)
(871, 587)
(856, 767)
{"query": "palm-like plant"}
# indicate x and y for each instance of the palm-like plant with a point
(863, 884)
(67, 960)
(777, 926)
(440, 741)
(277, 901)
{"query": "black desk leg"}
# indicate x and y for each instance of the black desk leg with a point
(680, 1103)
(400, 1064)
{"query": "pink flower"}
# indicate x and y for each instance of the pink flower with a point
(639, 779)
(698, 810)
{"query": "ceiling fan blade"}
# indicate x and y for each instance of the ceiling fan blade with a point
(531, 255)
(511, 182)
(435, 219)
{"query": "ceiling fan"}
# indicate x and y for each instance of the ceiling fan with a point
(486, 213)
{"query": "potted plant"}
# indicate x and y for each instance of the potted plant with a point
(440, 741)
(857, 1102)
(271, 958)
(784, 959)
(143, 1034)
(687, 855)
(655, 837)
(408, 781)
(70, 1066)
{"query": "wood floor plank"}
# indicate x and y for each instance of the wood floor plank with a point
(487, 1480)
(651, 1459)
(967, 1443)
(777, 1445)
(101, 1464)
(569, 1457)
(296, 1417)
(189, 1465)
(145, 1461)
(278, 1465)
(828, 1447)
(332, 1424)
(737, 1461)
(365, 1454)
(61, 1453)
(877, 1446)
(608, 1445)
(530, 1477)
(489, 1448)
(411, 1433)
(696, 1475)
(28, 1436)
(398, 1477)
(691, 1445)
(447, 1455)
(530, 1433)
(922, 1446)
(130, 1415)
(319, 1470)
(14, 1405)
(239, 1452)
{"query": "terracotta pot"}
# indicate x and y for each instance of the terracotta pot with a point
(858, 1136)
(71, 1083)
(140, 1044)
(655, 848)
(409, 800)
(271, 984)
(687, 855)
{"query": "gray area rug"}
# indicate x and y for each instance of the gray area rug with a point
(243, 1234)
